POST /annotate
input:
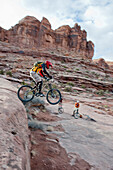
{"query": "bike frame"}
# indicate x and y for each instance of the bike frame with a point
(44, 87)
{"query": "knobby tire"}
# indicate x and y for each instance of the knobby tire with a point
(21, 93)
(53, 94)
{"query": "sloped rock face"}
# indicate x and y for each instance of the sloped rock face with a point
(14, 134)
(32, 33)
(110, 64)
(101, 63)
(3, 35)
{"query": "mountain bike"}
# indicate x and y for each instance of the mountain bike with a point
(26, 93)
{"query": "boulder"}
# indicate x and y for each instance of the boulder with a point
(14, 133)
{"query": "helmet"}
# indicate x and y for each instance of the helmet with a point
(48, 63)
(77, 101)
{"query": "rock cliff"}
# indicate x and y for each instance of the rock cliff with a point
(31, 33)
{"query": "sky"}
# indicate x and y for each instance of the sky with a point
(94, 16)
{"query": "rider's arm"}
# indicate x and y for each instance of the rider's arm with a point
(41, 73)
(44, 70)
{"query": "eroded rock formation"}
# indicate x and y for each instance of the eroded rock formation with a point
(32, 33)
(101, 63)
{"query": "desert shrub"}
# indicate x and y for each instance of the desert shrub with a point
(64, 66)
(100, 92)
(1, 72)
(69, 70)
(70, 84)
(54, 86)
(97, 75)
(62, 61)
(86, 76)
(9, 73)
(23, 83)
(68, 89)
(93, 72)
(83, 86)
(106, 106)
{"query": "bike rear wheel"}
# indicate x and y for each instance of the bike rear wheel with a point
(25, 93)
(53, 96)
(60, 110)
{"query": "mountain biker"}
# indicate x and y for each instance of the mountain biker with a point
(38, 72)
(75, 112)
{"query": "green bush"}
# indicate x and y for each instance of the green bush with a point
(83, 86)
(62, 62)
(97, 75)
(69, 70)
(68, 89)
(70, 84)
(100, 92)
(1, 72)
(9, 73)
(86, 76)
(106, 106)
(23, 83)
(54, 86)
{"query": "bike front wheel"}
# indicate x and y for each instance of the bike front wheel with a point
(53, 96)
(25, 93)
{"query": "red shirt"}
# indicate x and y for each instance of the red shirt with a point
(77, 105)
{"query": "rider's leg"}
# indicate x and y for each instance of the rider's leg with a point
(40, 86)
(36, 78)
(74, 113)
(77, 111)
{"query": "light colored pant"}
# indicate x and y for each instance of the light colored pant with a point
(35, 76)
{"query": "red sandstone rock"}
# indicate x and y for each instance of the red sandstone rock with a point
(14, 134)
(101, 62)
(32, 33)
(110, 64)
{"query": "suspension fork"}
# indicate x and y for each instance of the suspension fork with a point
(34, 89)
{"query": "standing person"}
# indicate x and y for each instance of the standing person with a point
(38, 72)
(76, 110)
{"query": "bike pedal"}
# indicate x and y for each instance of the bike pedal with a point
(39, 95)
(42, 95)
